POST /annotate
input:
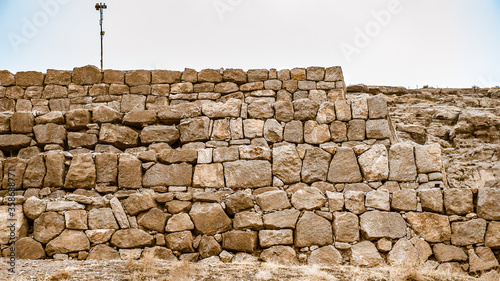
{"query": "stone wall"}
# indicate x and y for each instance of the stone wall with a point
(231, 165)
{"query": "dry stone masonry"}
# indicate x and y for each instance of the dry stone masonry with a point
(230, 165)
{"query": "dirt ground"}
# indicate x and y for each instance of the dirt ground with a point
(151, 269)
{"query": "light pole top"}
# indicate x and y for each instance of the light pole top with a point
(99, 6)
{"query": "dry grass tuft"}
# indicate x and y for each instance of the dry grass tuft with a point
(181, 271)
(62, 274)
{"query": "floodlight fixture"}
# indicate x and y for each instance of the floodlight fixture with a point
(100, 7)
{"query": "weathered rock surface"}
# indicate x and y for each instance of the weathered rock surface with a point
(313, 230)
(209, 218)
(376, 224)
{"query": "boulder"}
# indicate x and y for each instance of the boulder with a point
(209, 218)
(26, 248)
(260, 109)
(253, 128)
(68, 241)
(377, 107)
(76, 140)
(313, 230)
(158, 252)
(29, 78)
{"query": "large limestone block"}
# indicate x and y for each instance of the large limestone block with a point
(344, 167)
(137, 77)
(103, 252)
(346, 227)
(81, 173)
(13, 172)
(58, 77)
(54, 161)
(168, 175)
(286, 164)
(273, 200)
(432, 227)
(403, 253)
(209, 247)
(34, 207)
(26, 248)
(240, 241)
(67, 242)
(365, 254)
(194, 129)
(165, 76)
(283, 111)
(239, 201)
(377, 107)
(305, 109)
(294, 132)
(428, 158)
(458, 201)
(315, 165)
(209, 75)
(154, 219)
(139, 118)
(106, 168)
(34, 173)
(129, 171)
(273, 131)
(282, 255)
(488, 203)
(268, 238)
(308, 198)
(247, 220)
(378, 129)
(376, 224)
(230, 108)
(326, 113)
(247, 174)
(131, 238)
(208, 175)
(99, 236)
(338, 131)
(180, 241)
(374, 163)
(253, 128)
(22, 122)
(119, 212)
(87, 75)
(492, 238)
(402, 162)
(14, 142)
(468, 232)
(325, 256)
(179, 222)
(447, 253)
(431, 200)
(313, 230)
(343, 110)
(235, 75)
(209, 218)
(47, 226)
(315, 133)
(7, 78)
(281, 219)
(12, 222)
(105, 114)
(77, 119)
(138, 202)
(50, 134)
(76, 140)
(221, 130)
(404, 200)
(260, 109)
(29, 78)
(178, 155)
(102, 218)
(378, 199)
(174, 113)
(76, 219)
(482, 259)
(118, 135)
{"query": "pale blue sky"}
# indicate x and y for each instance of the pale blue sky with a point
(446, 43)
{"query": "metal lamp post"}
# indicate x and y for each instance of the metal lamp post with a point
(100, 7)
